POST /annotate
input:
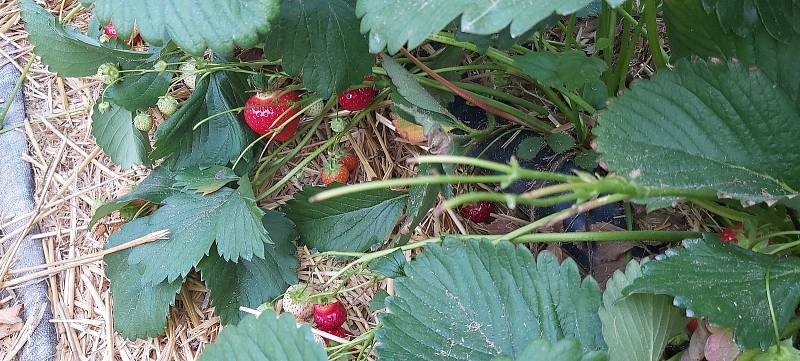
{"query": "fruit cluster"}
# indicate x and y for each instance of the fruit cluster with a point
(328, 316)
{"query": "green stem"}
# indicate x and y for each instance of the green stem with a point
(611, 236)
(407, 182)
(476, 89)
(71, 14)
(626, 53)
(569, 33)
(653, 37)
(511, 199)
(333, 140)
(609, 31)
(721, 210)
(513, 169)
(15, 91)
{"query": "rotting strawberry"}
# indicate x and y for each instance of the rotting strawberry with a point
(333, 172)
(349, 160)
(478, 213)
(338, 332)
(329, 316)
(356, 99)
(296, 301)
(268, 111)
(110, 31)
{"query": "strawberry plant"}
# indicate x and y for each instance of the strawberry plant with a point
(524, 125)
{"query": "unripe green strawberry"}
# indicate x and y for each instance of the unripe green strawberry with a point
(104, 38)
(189, 74)
(167, 104)
(160, 65)
(338, 125)
(104, 107)
(297, 301)
(108, 73)
(143, 122)
(315, 109)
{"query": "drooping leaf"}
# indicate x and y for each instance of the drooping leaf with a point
(65, 50)
(476, 301)
(248, 283)
(390, 265)
(419, 202)
(571, 69)
(692, 31)
(415, 101)
(204, 180)
(393, 23)
(727, 285)
(141, 307)
(721, 127)
(139, 91)
(530, 147)
(155, 188)
(320, 39)
(266, 338)
(640, 326)
(354, 222)
(564, 350)
(228, 216)
(220, 140)
(120, 140)
(194, 25)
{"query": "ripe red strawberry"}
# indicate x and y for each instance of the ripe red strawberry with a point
(339, 332)
(691, 326)
(730, 234)
(356, 99)
(296, 301)
(478, 213)
(334, 172)
(110, 31)
(349, 160)
(270, 111)
(329, 316)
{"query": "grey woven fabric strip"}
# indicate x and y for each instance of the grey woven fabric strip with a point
(17, 199)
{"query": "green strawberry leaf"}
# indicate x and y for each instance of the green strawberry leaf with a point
(420, 200)
(155, 188)
(120, 140)
(692, 31)
(194, 25)
(742, 16)
(142, 306)
(220, 140)
(529, 148)
(560, 142)
(204, 180)
(140, 91)
(722, 127)
(248, 283)
(571, 69)
(393, 23)
(68, 52)
(390, 265)
(320, 39)
(587, 160)
(266, 338)
(378, 300)
(640, 326)
(228, 216)
(476, 301)
(564, 350)
(353, 222)
(727, 285)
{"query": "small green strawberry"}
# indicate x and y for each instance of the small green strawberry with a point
(160, 65)
(108, 73)
(338, 125)
(104, 107)
(143, 122)
(167, 104)
(315, 109)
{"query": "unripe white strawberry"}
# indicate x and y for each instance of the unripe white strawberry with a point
(108, 73)
(338, 125)
(160, 65)
(297, 301)
(189, 74)
(104, 107)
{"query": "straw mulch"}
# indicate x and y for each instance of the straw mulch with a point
(73, 177)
